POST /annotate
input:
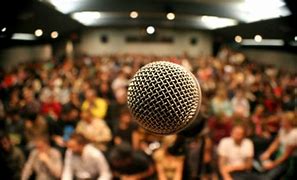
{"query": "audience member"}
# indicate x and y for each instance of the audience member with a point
(235, 155)
(285, 147)
(44, 162)
(84, 161)
(12, 159)
(95, 130)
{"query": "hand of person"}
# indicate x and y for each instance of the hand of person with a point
(264, 156)
(43, 157)
(228, 177)
(267, 165)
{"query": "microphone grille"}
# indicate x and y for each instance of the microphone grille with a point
(164, 97)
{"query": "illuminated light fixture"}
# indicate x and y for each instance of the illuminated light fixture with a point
(238, 39)
(86, 17)
(65, 6)
(3, 29)
(38, 32)
(214, 22)
(252, 10)
(295, 38)
(150, 30)
(258, 38)
(23, 36)
(54, 34)
(170, 16)
(263, 42)
(133, 14)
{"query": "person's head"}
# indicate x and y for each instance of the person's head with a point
(76, 143)
(121, 154)
(238, 133)
(5, 142)
(289, 120)
(86, 116)
(42, 143)
(90, 94)
(125, 116)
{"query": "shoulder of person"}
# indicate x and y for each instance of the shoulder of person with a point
(226, 140)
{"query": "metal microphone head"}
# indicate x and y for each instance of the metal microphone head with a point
(164, 97)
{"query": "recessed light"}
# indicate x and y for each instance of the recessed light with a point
(54, 34)
(238, 39)
(258, 38)
(38, 32)
(133, 14)
(170, 16)
(150, 30)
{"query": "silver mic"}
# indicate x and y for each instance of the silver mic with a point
(164, 97)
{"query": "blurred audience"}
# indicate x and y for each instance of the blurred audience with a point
(88, 95)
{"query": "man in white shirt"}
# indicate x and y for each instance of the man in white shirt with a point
(84, 161)
(235, 154)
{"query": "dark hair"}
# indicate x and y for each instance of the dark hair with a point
(79, 138)
(121, 151)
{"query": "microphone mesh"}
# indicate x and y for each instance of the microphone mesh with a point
(164, 97)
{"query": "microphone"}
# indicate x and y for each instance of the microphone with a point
(164, 98)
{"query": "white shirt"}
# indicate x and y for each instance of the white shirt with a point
(288, 139)
(235, 154)
(90, 164)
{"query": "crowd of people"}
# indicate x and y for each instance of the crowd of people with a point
(68, 119)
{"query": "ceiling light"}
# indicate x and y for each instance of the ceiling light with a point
(3, 29)
(170, 16)
(23, 36)
(38, 32)
(150, 30)
(65, 6)
(258, 38)
(86, 17)
(54, 34)
(133, 14)
(295, 38)
(213, 22)
(263, 42)
(252, 10)
(238, 39)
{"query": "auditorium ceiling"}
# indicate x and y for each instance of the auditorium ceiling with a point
(274, 19)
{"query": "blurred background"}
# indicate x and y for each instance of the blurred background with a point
(65, 66)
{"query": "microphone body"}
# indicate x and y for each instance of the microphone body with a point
(164, 98)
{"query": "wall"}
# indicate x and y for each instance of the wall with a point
(284, 60)
(15, 55)
(91, 43)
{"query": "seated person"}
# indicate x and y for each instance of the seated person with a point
(235, 155)
(44, 161)
(127, 163)
(12, 158)
(84, 161)
(285, 145)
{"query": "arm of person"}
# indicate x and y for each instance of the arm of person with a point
(179, 169)
(223, 168)
(271, 149)
(287, 153)
(104, 171)
(28, 169)
(53, 162)
(242, 167)
(160, 170)
(67, 171)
